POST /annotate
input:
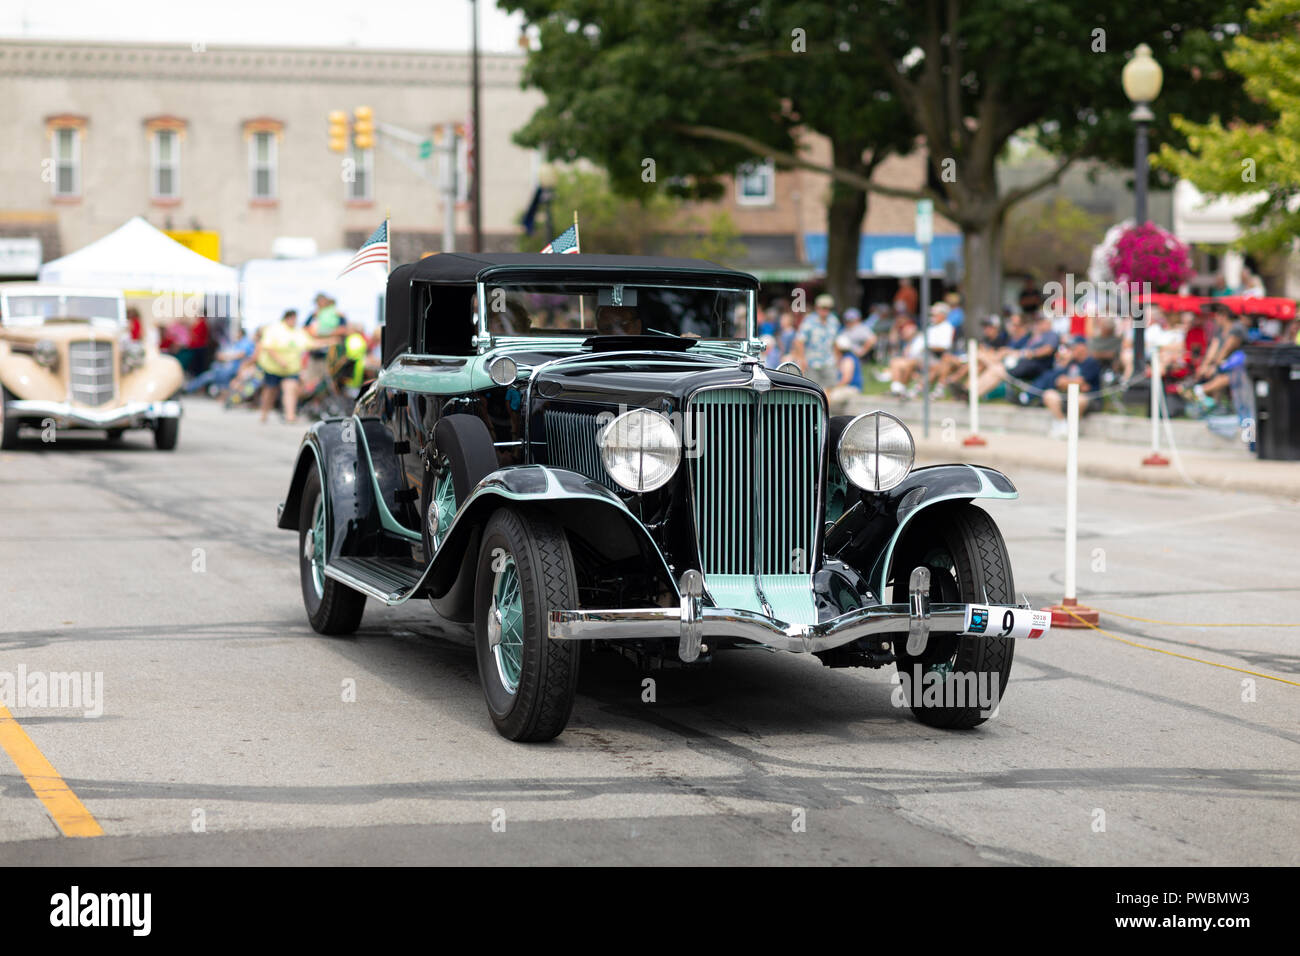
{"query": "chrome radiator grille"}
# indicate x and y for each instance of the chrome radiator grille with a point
(91, 380)
(772, 528)
(571, 444)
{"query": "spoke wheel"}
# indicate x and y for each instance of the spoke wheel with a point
(506, 625)
(332, 607)
(525, 570)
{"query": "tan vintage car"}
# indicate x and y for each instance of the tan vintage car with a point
(67, 361)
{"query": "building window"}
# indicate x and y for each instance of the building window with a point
(262, 148)
(360, 182)
(67, 161)
(165, 164)
(756, 184)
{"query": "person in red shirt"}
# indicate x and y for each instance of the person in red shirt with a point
(906, 298)
(134, 325)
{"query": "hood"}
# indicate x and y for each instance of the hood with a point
(646, 379)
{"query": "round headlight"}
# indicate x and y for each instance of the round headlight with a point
(46, 353)
(503, 370)
(790, 368)
(132, 356)
(640, 450)
(876, 451)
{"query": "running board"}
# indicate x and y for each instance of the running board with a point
(382, 578)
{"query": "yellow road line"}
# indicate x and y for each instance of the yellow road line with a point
(1151, 620)
(1186, 657)
(68, 812)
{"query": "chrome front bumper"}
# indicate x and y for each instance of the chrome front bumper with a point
(66, 415)
(691, 623)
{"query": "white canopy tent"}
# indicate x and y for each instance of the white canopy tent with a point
(272, 286)
(140, 259)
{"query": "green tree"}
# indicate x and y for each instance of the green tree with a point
(640, 87)
(700, 84)
(1042, 236)
(1254, 158)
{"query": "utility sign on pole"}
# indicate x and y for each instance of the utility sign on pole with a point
(924, 222)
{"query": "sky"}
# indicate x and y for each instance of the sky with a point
(392, 24)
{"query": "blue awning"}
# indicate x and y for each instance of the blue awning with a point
(944, 249)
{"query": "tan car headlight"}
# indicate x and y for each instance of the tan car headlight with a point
(640, 450)
(46, 354)
(132, 357)
(876, 451)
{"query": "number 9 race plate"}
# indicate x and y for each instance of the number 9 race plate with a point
(1006, 621)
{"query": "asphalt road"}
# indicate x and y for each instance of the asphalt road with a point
(224, 713)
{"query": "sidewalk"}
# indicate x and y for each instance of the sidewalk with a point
(1103, 459)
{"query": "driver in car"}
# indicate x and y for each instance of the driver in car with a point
(617, 320)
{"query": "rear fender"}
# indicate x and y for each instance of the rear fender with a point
(330, 446)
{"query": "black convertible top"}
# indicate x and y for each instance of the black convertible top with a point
(471, 266)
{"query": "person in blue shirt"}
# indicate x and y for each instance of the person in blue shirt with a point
(1080, 369)
(848, 370)
(956, 314)
(222, 372)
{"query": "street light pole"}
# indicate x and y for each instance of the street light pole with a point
(1142, 78)
(476, 197)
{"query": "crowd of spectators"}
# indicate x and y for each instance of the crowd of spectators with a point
(1028, 355)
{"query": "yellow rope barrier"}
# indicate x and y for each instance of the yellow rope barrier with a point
(1151, 620)
(1186, 657)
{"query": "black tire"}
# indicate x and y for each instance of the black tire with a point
(8, 423)
(540, 705)
(332, 607)
(166, 433)
(115, 434)
(463, 451)
(968, 561)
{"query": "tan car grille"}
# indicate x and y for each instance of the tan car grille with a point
(91, 376)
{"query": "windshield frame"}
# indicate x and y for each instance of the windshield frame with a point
(31, 321)
(483, 341)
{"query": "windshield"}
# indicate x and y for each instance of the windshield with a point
(42, 306)
(582, 309)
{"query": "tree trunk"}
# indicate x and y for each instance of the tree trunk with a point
(982, 258)
(844, 215)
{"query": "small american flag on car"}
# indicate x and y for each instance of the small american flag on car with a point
(373, 250)
(565, 243)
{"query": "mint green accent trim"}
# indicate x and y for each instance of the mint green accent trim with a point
(734, 591)
(472, 376)
(386, 519)
(986, 490)
(789, 596)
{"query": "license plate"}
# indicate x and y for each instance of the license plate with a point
(1006, 621)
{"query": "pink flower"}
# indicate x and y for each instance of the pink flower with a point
(1147, 253)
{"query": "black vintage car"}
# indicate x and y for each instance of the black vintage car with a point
(566, 448)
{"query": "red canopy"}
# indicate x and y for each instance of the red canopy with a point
(1273, 307)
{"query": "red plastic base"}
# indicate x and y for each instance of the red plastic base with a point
(1070, 613)
(1155, 458)
(973, 440)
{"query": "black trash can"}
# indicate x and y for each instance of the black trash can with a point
(1274, 372)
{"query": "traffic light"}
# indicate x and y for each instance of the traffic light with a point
(338, 130)
(363, 127)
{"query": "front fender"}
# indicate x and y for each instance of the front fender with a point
(884, 520)
(573, 501)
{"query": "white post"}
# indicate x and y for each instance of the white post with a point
(971, 345)
(1071, 490)
(1155, 402)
